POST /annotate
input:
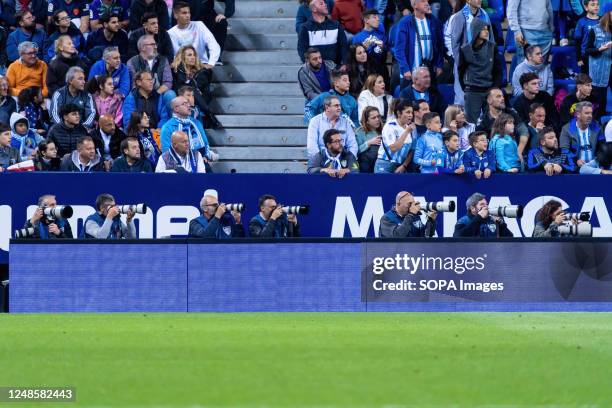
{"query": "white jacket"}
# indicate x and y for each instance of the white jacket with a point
(367, 98)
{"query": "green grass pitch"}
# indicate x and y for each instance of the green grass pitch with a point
(313, 359)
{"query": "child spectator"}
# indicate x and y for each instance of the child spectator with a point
(429, 150)
(46, 157)
(453, 156)
(503, 144)
(31, 104)
(454, 119)
(8, 154)
(107, 99)
(585, 23)
(373, 38)
(479, 160)
(24, 139)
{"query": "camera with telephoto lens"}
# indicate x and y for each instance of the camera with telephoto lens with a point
(234, 207)
(510, 211)
(584, 229)
(135, 208)
(439, 206)
(296, 209)
(24, 233)
(581, 216)
(58, 212)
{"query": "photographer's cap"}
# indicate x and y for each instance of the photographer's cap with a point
(211, 193)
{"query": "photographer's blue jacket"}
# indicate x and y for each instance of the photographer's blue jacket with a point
(393, 225)
(224, 228)
(475, 226)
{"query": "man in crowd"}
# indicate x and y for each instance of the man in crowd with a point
(74, 93)
(496, 105)
(27, 32)
(548, 157)
(66, 133)
(140, 13)
(109, 35)
(187, 32)
(272, 221)
(84, 159)
(537, 119)
(150, 25)
(143, 98)
(530, 85)
(111, 65)
(106, 222)
(149, 60)
(581, 135)
(340, 88)
(324, 34)
(532, 22)
(331, 118)
(334, 160)
(404, 219)
(421, 89)
(108, 138)
(179, 158)
(420, 108)
(374, 40)
(130, 161)
(314, 76)
(478, 223)
(48, 227)
(583, 92)
(216, 221)
(204, 10)
(27, 71)
(101, 8)
(534, 62)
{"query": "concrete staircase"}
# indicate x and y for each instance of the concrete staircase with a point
(256, 94)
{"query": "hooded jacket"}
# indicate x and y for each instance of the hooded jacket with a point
(543, 72)
(479, 65)
(328, 36)
(308, 81)
(65, 138)
(26, 144)
(70, 162)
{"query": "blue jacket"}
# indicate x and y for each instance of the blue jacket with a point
(506, 152)
(375, 51)
(406, 38)
(451, 161)
(472, 161)
(429, 147)
(582, 28)
(348, 102)
(197, 141)
(475, 226)
(224, 228)
(121, 76)
(18, 36)
(157, 112)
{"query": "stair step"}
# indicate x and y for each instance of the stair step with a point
(255, 104)
(285, 8)
(257, 89)
(259, 167)
(257, 137)
(278, 57)
(262, 121)
(256, 73)
(262, 153)
(239, 42)
(262, 25)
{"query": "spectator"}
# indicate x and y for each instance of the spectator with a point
(195, 33)
(479, 160)
(496, 105)
(27, 71)
(188, 70)
(139, 128)
(216, 221)
(453, 156)
(108, 137)
(419, 42)
(9, 8)
(272, 221)
(580, 135)
(529, 27)
(8, 154)
(530, 84)
(454, 119)
(108, 100)
(131, 161)
(548, 157)
(359, 68)
(60, 26)
(368, 138)
(602, 163)
(303, 13)
(109, 35)
(143, 12)
(584, 88)
(314, 75)
(7, 104)
(373, 38)
(32, 105)
(348, 14)
(478, 223)
(84, 159)
(106, 222)
(422, 89)
(534, 62)
(334, 160)
(74, 93)
(330, 118)
(179, 158)
(324, 34)
(479, 68)
(77, 13)
(28, 33)
(66, 133)
(24, 139)
(429, 148)
(149, 60)
(111, 65)
(585, 23)
(395, 151)
(404, 219)
(373, 94)
(46, 227)
(204, 10)
(65, 56)
(340, 89)
(537, 118)
(504, 146)
(420, 107)
(597, 46)
(46, 157)
(205, 116)
(103, 8)
(150, 24)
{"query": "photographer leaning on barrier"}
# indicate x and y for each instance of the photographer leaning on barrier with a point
(553, 222)
(403, 220)
(106, 223)
(273, 221)
(478, 223)
(48, 226)
(216, 221)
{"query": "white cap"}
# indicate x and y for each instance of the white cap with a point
(212, 193)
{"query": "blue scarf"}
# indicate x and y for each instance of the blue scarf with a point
(192, 160)
(151, 150)
(467, 14)
(196, 138)
(334, 160)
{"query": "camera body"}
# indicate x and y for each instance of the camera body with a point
(581, 216)
(510, 211)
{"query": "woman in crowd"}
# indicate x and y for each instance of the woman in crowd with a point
(503, 144)
(107, 99)
(46, 157)
(359, 68)
(31, 104)
(373, 94)
(454, 119)
(368, 138)
(139, 128)
(66, 56)
(60, 25)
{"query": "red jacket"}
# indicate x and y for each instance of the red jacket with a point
(348, 14)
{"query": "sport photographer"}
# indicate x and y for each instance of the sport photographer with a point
(216, 221)
(272, 221)
(48, 226)
(106, 223)
(551, 220)
(404, 220)
(478, 222)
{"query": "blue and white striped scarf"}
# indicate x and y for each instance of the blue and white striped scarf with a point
(467, 14)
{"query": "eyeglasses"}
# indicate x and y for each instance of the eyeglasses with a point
(63, 18)
(30, 53)
(151, 45)
(335, 141)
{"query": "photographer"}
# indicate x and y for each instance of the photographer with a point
(404, 219)
(48, 227)
(549, 219)
(272, 221)
(478, 223)
(216, 221)
(106, 223)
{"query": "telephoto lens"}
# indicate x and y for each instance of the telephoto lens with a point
(235, 207)
(297, 209)
(24, 233)
(510, 211)
(58, 212)
(582, 216)
(583, 229)
(136, 208)
(439, 206)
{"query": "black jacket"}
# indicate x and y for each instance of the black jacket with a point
(3, 38)
(566, 111)
(202, 8)
(140, 7)
(115, 142)
(164, 43)
(200, 82)
(65, 138)
(522, 105)
(268, 229)
(7, 107)
(485, 122)
(97, 42)
(52, 165)
(58, 67)
(121, 166)
(479, 66)
(436, 100)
